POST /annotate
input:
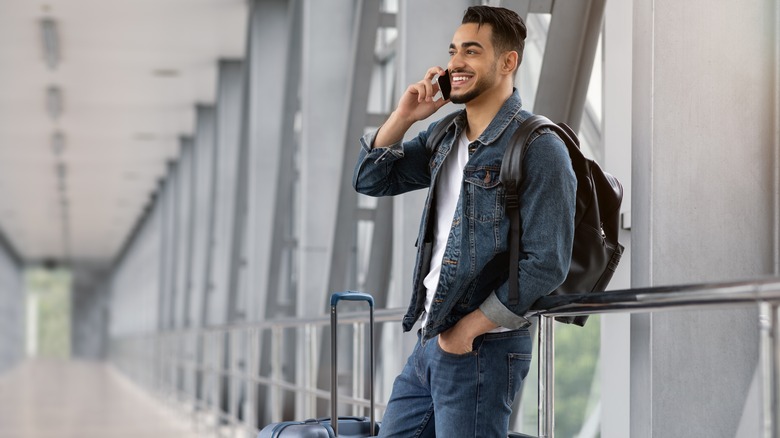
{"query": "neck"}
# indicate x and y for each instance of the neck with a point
(481, 110)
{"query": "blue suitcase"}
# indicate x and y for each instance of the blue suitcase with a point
(345, 427)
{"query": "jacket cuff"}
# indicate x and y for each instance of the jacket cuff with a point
(500, 315)
(395, 150)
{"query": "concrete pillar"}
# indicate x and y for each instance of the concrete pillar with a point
(704, 95)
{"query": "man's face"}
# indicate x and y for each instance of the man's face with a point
(473, 62)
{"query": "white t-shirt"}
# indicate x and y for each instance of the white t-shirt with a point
(447, 194)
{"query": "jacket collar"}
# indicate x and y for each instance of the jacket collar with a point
(508, 111)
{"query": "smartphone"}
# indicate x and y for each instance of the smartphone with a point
(444, 84)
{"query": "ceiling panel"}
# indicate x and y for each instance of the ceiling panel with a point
(130, 75)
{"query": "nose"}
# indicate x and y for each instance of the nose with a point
(456, 61)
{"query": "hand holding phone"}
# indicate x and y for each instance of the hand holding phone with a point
(444, 84)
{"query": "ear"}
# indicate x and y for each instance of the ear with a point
(509, 62)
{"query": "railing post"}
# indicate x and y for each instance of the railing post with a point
(233, 382)
(217, 340)
(193, 372)
(358, 363)
(310, 375)
(546, 421)
(775, 351)
(250, 373)
(276, 374)
(768, 322)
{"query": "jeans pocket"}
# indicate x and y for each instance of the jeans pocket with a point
(447, 354)
(519, 365)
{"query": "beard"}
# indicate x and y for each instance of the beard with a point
(483, 83)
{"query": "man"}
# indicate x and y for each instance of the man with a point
(474, 348)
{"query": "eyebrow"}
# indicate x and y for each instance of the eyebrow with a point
(467, 44)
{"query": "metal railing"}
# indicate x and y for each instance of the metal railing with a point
(765, 294)
(215, 375)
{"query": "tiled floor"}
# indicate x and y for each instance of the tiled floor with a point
(72, 399)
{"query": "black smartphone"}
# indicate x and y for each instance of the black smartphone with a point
(444, 84)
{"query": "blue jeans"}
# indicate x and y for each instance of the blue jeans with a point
(459, 395)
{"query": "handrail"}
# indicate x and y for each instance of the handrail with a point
(657, 298)
(762, 292)
(380, 315)
(193, 366)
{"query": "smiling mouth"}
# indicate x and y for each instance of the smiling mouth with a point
(460, 79)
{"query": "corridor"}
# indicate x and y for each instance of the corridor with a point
(178, 204)
(79, 399)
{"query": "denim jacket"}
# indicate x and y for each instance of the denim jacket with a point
(475, 264)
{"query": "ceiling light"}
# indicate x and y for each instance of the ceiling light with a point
(130, 176)
(54, 101)
(144, 136)
(57, 143)
(166, 72)
(51, 43)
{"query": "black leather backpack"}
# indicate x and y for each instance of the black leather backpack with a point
(596, 251)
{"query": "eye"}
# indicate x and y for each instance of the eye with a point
(471, 52)
(452, 53)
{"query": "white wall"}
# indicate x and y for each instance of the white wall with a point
(702, 210)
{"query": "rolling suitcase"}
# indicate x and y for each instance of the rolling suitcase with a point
(344, 427)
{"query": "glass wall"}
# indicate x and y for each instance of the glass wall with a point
(12, 309)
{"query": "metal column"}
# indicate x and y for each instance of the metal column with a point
(770, 368)
(228, 116)
(280, 282)
(183, 225)
(568, 60)
(170, 248)
(342, 257)
(363, 42)
(324, 94)
(268, 38)
(206, 160)
(269, 106)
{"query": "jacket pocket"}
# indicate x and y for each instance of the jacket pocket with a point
(484, 193)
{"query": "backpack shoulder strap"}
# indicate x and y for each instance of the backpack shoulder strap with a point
(510, 176)
(438, 132)
(511, 165)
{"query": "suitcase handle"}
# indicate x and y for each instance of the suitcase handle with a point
(351, 296)
(334, 300)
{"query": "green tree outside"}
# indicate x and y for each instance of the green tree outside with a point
(576, 360)
(51, 292)
(576, 383)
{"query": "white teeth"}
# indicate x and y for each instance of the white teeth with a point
(459, 79)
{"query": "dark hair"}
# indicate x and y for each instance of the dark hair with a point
(509, 30)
